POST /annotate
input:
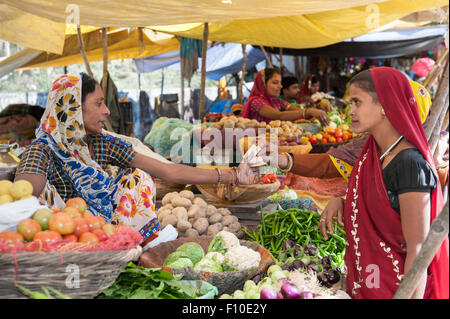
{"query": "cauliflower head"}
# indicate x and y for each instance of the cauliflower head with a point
(223, 242)
(241, 258)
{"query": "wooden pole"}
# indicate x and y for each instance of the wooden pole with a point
(105, 72)
(241, 83)
(438, 232)
(436, 70)
(203, 79)
(281, 61)
(182, 97)
(267, 56)
(437, 111)
(83, 52)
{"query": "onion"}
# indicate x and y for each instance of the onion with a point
(280, 295)
(290, 291)
(306, 295)
(268, 293)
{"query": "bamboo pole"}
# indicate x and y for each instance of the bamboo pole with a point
(436, 70)
(83, 52)
(281, 61)
(241, 83)
(105, 72)
(438, 110)
(267, 56)
(436, 235)
(182, 97)
(203, 79)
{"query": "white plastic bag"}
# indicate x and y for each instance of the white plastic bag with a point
(11, 214)
(167, 234)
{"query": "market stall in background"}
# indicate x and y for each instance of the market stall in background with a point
(257, 241)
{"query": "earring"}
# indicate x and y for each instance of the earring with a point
(382, 112)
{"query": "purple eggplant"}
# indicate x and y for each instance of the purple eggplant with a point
(333, 276)
(314, 266)
(323, 278)
(288, 244)
(326, 260)
(298, 264)
(286, 267)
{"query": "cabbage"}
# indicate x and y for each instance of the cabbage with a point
(181, 263)
(284, 194)
(174, 256)
(193, 251)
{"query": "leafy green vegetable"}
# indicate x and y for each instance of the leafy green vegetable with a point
(193, 251)
(208, 265)
(181, 263)
(284, 194)
(136, 282)
(174, 256)
(46, 295)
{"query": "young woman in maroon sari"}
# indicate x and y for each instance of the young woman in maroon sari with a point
(393, 193)
(265, 105)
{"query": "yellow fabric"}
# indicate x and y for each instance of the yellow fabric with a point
(38, 25)
(344, 168)
(321, 201)
(423, 99)
(121, 45)
(314, 30)
(28, 30)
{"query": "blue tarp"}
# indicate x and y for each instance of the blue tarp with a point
(220, 60)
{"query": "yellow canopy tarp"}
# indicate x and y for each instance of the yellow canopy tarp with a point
(123, 44)
(305, 31)
(284, 23)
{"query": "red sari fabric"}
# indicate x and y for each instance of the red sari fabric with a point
(258, 91)
(304, 90)
(376, 251)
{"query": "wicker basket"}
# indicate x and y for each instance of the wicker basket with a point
(242, 194)
(96, 270)
(162, 188)
(226, 282)
(324, 147)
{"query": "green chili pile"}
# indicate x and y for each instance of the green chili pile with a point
(300, 226)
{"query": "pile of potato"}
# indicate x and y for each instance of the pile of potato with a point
(236, 122)
(192, 216)
(285, 129)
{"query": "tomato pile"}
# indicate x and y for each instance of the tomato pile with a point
(332, 135)
(72, 224)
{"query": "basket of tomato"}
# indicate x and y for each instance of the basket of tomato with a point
(330, 137)
(69, 250)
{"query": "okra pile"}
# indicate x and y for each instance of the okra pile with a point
(300, 226)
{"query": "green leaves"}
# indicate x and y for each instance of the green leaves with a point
(137, 282)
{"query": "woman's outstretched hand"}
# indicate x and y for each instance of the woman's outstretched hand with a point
(334, 208)
(248, 175)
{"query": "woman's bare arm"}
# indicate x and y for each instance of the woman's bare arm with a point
(415, 218)
(176, 173)
(38, 182)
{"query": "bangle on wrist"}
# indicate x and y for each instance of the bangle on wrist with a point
(290, 163)
(219, 176)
